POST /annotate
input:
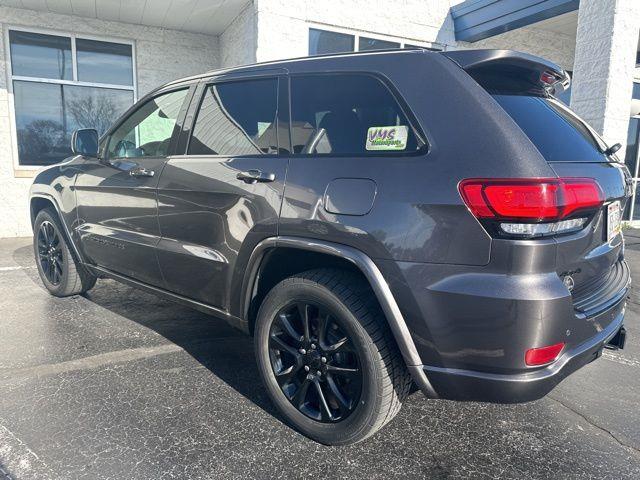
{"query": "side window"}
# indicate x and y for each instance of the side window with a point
(344, 114)
(237, 118)
(148, 131)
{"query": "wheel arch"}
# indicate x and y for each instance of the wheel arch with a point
(341, 256)
(40, 201)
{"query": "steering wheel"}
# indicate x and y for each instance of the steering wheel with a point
(127, 149)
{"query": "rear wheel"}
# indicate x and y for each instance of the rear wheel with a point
(327, 357)
(60, 272)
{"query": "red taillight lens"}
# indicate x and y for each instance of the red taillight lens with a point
(543, 355)
(534, 200)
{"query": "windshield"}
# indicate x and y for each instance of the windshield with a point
(558, 133)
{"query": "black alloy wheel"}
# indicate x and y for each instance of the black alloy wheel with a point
(50, 253)
(315, 363)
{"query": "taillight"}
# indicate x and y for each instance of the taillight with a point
(543, 355)
(533, 207)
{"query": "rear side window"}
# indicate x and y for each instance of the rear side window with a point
(557, 133)
(347, 114)
(237, 118)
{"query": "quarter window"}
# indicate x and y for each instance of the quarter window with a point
(148, 131)
(347, 114)
(237, 118)
(55, 93)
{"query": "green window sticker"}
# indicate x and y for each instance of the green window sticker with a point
(393, 137)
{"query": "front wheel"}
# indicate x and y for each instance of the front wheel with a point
(327, 357)
(60, 272)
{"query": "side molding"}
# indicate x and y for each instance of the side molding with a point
(376, 280)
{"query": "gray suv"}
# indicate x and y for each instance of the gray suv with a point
(377, 221)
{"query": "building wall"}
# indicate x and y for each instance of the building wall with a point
(282, 28)
(161, 55)
(553, 46)
(238, 41)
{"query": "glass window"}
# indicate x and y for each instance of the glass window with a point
(40, 56)
(104, 62)
(556, 132)
(347, 114)
(47, 111)
(632, 144)
(148, 131)
(47, 114)
(322, 41)
(365, 43)
(237, 118)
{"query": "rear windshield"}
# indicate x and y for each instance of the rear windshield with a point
(558, 133)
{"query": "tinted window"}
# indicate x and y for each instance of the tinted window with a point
(148, 131)
(40, 56)
(322, 42)
(347, 114)
(237, 118)
(557, 133)
(365, 43)
(104, 62)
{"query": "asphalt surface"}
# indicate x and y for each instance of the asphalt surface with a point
(121, 384)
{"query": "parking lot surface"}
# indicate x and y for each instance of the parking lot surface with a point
(121, 384)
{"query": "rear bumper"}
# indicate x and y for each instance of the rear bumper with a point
(459, 384)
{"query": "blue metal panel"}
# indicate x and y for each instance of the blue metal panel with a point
(478, 19)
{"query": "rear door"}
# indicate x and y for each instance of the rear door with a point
(223, 195)
(591, 257)
(116, 195)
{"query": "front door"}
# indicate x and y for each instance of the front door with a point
(224, 195)
(117, 195)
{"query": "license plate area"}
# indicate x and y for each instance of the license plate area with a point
(614, 220)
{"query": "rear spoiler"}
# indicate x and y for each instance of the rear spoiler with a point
(508, 71)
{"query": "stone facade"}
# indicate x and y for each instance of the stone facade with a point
(238, 43)
(283, 31)
(606, 45)
(161, 55)
(553, 46)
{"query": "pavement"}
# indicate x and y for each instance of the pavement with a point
(121, 384)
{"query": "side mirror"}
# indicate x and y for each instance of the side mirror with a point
(85, 142)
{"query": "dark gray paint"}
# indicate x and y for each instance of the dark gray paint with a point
(464, 301)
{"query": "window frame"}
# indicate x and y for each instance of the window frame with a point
(414, 125)
(279, 77)
(356, 34)
(105, 140)
(29, 171)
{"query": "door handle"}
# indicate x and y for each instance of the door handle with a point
(141, 172)
(255, 176)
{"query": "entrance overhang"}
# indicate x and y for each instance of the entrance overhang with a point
(479, 19)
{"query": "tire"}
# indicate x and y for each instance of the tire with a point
(60, 272)
(364, 380)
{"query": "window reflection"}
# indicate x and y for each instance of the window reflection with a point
(365, 43)
(47, 114)
(104, 62)
(237, 118)
(40, 56)
(323, 42)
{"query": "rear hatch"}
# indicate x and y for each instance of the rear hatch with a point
(590, 261)
(592, 258)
